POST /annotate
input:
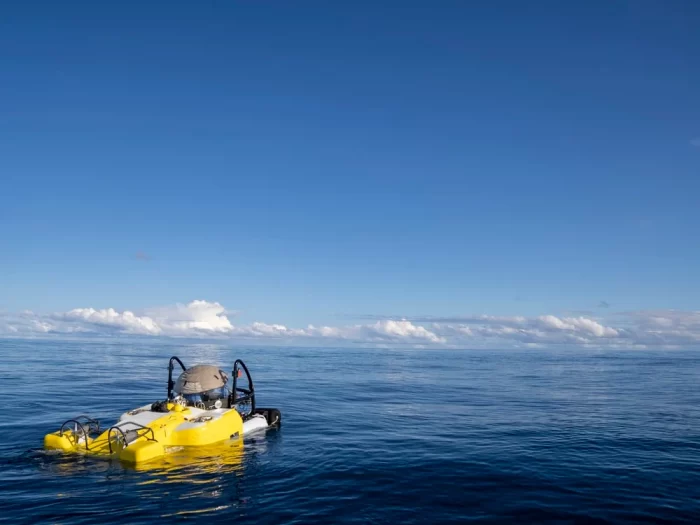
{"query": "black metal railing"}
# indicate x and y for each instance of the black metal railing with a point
(171, 365)
(79, 422)
(139, 428)
(240, 395)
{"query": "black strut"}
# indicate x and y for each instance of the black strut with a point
(171, 365)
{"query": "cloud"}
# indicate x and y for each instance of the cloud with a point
(200, 318)
(109, 318)
(695, 142)
(388, 331)
(192, 318)
(546, 329)
(24, 323)
(195, 318)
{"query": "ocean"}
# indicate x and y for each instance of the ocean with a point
(368, 436)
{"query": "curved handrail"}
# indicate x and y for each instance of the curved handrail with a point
(171, 365)
(93, 424)
(82, 429)
(121, 431)
(249, 392)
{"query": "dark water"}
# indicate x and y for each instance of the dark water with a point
(369, 436)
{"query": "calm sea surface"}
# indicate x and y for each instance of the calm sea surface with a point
(368, 436)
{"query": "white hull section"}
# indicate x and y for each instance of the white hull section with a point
(254, 424)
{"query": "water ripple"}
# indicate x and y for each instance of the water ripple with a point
(378, 436)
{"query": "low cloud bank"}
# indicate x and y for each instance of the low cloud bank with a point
(199, 318)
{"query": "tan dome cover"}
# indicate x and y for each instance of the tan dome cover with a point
(200, 378)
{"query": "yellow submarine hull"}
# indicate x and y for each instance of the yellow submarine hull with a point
(143, 435)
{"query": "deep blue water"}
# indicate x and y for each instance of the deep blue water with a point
(369, 436)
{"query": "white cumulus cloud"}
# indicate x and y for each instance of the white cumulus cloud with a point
(123, 321)
(577, 324)
(400, 330)
(193, 317)
(200, 318)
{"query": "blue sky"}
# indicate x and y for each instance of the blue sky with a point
(319, 162)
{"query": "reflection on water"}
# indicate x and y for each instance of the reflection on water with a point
(202, 475)
(192, 463)
(195, 480)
